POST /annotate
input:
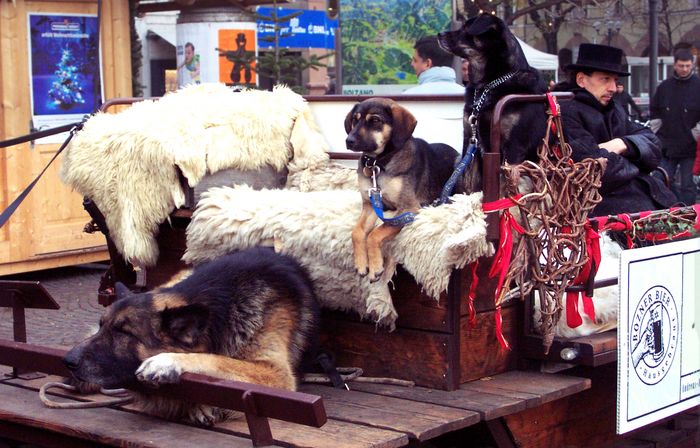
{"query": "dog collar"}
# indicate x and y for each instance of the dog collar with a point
(478, 103)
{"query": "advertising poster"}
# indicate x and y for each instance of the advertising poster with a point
(311, 29)
(237, 53)
(377, 42)
(658, 333)
(206, 52)
(64, 69)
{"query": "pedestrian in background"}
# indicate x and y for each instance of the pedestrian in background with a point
(675, 112)
(625, 100)
(433, 65)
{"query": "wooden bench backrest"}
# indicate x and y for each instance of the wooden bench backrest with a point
(256, 401)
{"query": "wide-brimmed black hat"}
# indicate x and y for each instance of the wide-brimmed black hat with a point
(600, 58)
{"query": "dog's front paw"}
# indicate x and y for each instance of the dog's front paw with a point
(159, 369)
(376, 275)
(361, 264)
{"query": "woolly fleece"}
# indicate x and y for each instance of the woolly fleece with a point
(128, 162)
(315, 228)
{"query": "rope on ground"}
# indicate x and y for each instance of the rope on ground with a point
(83, 404)
(354, 374)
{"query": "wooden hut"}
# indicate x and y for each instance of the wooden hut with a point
(46, 230)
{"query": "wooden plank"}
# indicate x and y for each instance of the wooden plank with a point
(600, 342)
(583, 419)
(335, 433)
(534, 387)
(420, 421)
(480, 352)
(108, 426)
(594, 350)
(419, 356)
(488, 406)
(416, 309)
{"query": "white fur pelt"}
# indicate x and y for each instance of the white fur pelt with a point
(128, 162)
(605, 300)
(326, 175)
(315, 228)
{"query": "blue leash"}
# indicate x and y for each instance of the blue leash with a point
(375, 198)
(375, 194)
(459, 170)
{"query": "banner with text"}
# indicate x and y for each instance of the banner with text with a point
(310, 29)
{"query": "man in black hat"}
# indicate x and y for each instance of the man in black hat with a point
(595, 126)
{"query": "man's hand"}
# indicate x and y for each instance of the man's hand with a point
(616, 145)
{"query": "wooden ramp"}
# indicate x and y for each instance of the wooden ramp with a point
(369, 415)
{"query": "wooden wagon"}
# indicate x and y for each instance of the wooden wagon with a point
(469, 391)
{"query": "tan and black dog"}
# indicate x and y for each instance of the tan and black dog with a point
(245, 317)
(497, 67)
(409, 172)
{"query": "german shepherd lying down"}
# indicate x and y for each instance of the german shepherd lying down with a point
(247, 317)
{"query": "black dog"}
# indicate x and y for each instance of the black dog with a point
(497, 67)
(409, 172)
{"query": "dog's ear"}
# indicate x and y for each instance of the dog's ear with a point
(121, 291)
(348, 118)
(403, 126)
(185, 324)
(482, 24)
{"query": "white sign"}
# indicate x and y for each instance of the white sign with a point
(658, 335)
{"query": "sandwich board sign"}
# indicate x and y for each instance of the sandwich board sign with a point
(658, 333)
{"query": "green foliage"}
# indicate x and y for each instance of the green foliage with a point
(378, 37)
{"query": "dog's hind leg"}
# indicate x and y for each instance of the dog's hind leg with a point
(364, 226)
(374, 249)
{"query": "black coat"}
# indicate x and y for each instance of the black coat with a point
(627, 185)
(677, 103)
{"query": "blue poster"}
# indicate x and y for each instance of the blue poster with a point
(310, 29)
(64, 65)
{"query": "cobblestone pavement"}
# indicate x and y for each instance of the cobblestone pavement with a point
(75, 290)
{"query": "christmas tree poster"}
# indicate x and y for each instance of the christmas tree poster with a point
(64, 66)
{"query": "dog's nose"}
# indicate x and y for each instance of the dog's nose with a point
(72, 360)
(350, 142)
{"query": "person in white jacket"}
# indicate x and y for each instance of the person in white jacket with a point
(433, 65)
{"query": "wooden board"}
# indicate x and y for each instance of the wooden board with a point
(593, 351)
(419, 356)
(582, 419)
(489, 406)
(335, 433)
(46, 230)
(535, 388)
(104, 425)
(420, 421)
(480, 352)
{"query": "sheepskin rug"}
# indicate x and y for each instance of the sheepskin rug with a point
(315, 227)
(605, 300)
(128, 162)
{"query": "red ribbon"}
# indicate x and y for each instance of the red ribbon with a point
(471, 295)
(501, 204)
(585, 276)
(500, 265)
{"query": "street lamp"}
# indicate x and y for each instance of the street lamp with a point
(614, 27)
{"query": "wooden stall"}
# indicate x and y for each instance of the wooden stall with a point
(46, 230)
